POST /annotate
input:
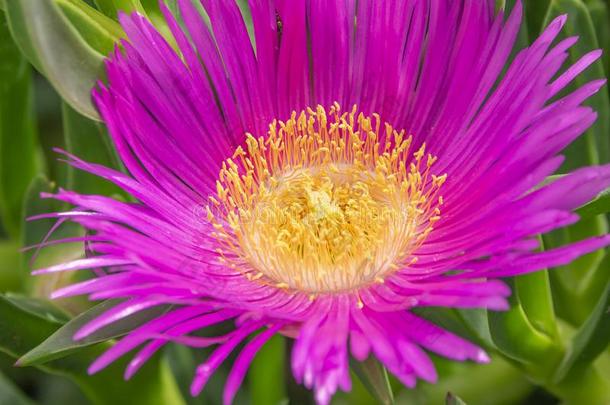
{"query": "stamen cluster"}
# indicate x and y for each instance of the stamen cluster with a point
(326, 202)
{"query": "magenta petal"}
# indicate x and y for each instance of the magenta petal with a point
(177, 110)
(240, 367)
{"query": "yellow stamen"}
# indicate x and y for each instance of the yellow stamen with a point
(325, 203)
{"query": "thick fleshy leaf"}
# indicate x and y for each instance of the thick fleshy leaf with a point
(61, 343)
(478, 325)
(471, 324)
(516, 337)
(38, 307)
(600, 205)
(112, 7)
(590, 341)
(57, 50)
(375, 378)
(266, 374)
(98, 31)
(21, 330)
(19, 153)
(536, 299)
(148, 8)
(153, 12)
(593, 288)
(569, 281)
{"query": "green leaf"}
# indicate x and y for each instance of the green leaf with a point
(38, 307)
(112, 7)
(588, 385)
(477, 323)
(599, 205)
(453, 400)
(153, 12)
(89, 141)
(17, 25)
(19, 153)
(590, 341)
(569, 282)
(534, 293)
(57, 50)
(517, 338)
(593, 287)
(61, 343)
(153, 385)
(535, 13)
(375, 378)
(98, 31)
(601, 21)
(593, 146)
(20, 330)
(148, 8)
(266, 374)
(471, 324)
(10, 394)
(498, 382)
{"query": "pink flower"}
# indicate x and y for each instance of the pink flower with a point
(359, 160)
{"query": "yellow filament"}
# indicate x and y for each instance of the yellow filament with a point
(325, 203)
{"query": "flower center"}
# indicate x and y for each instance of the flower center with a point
(325, 205)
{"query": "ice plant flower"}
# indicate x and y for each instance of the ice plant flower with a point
(352, 161)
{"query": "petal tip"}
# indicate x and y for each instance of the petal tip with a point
(482, 357)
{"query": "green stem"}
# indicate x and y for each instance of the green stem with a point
(583, 386)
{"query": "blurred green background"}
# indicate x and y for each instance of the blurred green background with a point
(551, 347)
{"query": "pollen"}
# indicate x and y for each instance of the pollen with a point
(328, 201)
